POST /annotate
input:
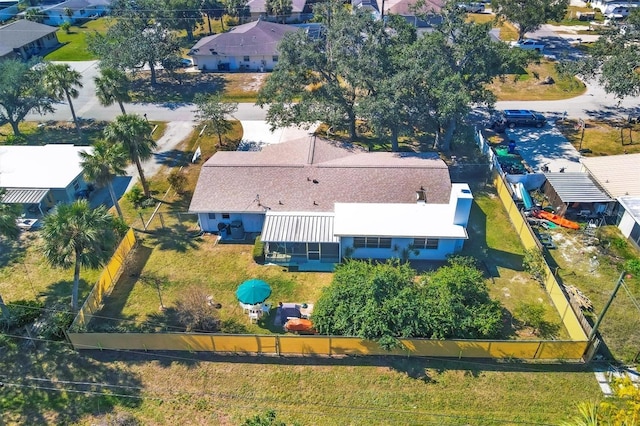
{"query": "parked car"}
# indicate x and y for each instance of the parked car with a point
(186, 62)
(517, 117)
(471, 7)
(528, 44)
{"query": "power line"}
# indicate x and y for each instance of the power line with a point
(243, 398)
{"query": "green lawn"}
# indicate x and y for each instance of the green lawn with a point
(603, 137)
(75, 42)
(527, 85)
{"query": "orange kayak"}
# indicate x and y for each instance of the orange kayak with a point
(557, 219)
(299, 325)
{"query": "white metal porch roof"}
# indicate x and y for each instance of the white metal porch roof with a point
(299, 227)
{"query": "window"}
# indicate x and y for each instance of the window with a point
(371, 242)
(226, 216)
(425, 243)
(76, 185)
(212, 215)
(246, 59)
(275, 58)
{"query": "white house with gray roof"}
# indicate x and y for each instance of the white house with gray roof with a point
(247, 47)
(619, 176)
(24, 39)
(315, 202)
(40, 177)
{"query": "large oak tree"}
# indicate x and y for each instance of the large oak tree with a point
(529, 15)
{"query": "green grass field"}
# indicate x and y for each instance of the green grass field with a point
(75, 42)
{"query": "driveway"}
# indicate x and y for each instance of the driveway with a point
(545, 146)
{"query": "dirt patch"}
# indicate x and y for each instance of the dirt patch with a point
(254, 83)
(576, 252)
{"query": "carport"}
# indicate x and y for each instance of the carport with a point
(30, 198)
(576, 194)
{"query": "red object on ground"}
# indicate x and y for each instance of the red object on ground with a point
(299, 325)
(557, 219)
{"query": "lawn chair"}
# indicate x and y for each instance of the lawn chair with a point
(254, 315)
(266, 308)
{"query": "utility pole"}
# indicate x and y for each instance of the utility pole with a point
(594, 330)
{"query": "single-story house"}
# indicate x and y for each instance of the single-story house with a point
(299, 11)
(615, 9)
(39, 177)
(73, 11)
(315, 202)
(250, 47)
(576, 192)
(619, 176)
(630, 219)
(24, 39)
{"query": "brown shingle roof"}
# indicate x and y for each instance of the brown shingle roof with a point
(253, 38)
(256, 181)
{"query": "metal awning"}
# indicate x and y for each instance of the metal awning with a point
(305, 227)
(577, 188)
(24, 196)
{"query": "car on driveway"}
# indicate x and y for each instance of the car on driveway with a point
(471, 7)
(517, 117)
(186, 62)
(528, 44)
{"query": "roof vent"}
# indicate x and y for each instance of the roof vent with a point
(315, 181)
(315, 204)
(421, 197)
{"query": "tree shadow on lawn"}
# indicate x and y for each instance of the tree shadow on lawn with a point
(13, 251)
(38, 390)
(60, 292)
(111, 314)
(172, 91)
(412, 367)
(171, 158)
(178, 238)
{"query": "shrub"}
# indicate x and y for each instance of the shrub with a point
(22, 312)
(533, 315)
(195, 312)
(135, 196)
(258, 250)
(66, 26)
(533, 262)
(57, 323)
(178, 181)
(633, 266)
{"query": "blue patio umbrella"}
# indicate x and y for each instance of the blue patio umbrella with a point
(252, 292)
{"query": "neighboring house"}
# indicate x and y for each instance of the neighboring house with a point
(248, 47)
(299, 11)
(629, 224)
(24, 39)
(40, 177)
(619, 176)
(615, 9)
(79, 10)
(316, 201)
(8, 9)
(404, 8)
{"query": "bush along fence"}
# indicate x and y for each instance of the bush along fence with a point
(570, 350)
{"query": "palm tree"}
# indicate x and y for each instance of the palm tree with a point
(101, 165)
(113, 86)
(76, 235)
(134, 133)
(61, 80)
